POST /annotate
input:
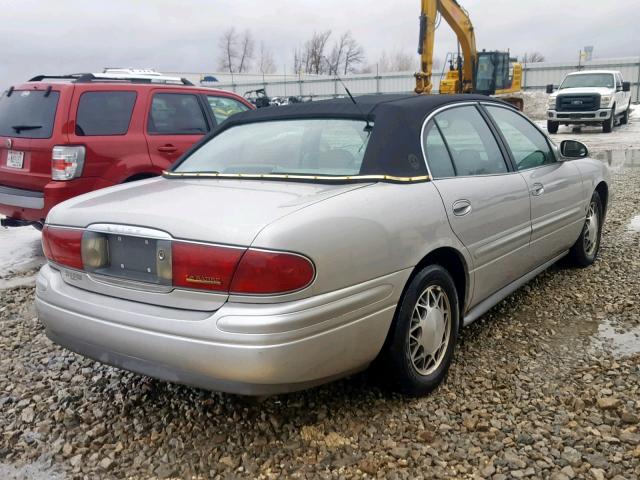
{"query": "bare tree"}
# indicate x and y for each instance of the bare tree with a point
(245, 55)
(336, 59)
(266, 63)
(228, 44)
(314, 53)
(353, 54)
(397, 61)
(533, 57)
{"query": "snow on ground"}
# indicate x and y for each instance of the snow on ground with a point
(20, 251)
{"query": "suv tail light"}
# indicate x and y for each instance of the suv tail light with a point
(63, 246)
(264, 272)
(67, 162)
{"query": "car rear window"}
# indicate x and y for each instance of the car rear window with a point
(176, 114)
(28, 113)
(104, 113)
(304, 147)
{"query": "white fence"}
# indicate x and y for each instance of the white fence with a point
(536, 76)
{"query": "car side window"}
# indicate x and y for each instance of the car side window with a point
(528, 145)
(223, 107)
(472, 146)
(436, 152)
(104, 113)
(176, 114)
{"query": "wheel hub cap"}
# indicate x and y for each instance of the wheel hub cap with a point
(591, 230)
(430, 330)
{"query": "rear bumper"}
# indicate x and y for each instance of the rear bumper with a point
(33, 206)
(249, 349)
(596, 116)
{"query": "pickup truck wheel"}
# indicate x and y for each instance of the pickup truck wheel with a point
(625, 116)
(585, 250)
(420, 346)
(552, 127)
(607, 125)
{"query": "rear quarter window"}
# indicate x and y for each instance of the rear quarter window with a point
(28, 113)
(104, 113)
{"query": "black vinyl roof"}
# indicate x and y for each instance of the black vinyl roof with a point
(394, 148)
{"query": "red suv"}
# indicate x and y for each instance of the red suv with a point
(64, 136)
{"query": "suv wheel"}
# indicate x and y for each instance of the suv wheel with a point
(420, 346)
(585, 250)
(552, 127)
(607, 125)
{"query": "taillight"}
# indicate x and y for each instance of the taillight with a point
(204, 267)
(63, 246)
(264, 272)
(67, 162)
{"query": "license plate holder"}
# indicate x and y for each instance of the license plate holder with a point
(15, 159)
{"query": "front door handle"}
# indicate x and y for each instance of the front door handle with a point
(461, 208)
(168, 149)
(537, 190)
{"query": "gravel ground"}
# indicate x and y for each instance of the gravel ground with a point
(546, 385)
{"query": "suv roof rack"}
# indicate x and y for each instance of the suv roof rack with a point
(115, 77)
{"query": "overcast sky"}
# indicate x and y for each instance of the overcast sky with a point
(43, 36)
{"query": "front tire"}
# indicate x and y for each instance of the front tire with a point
(552, 127)
(422, 339)
(607, 125)
(585, 250)
(625, 116)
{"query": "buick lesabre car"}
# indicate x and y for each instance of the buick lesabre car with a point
(297, 245)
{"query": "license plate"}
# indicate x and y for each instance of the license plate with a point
(15, 159)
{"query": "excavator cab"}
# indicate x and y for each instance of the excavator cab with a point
(492, 72)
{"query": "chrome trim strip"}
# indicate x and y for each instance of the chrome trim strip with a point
(129, 231)
(273, 176)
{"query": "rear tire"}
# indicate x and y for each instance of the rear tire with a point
(607, 125)
(552, 127)
(420, 346)
(585, 250)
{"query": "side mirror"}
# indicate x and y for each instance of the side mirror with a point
(573, 149)
(626, 86)
(550, 88)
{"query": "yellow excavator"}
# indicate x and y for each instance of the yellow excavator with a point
(487, 73)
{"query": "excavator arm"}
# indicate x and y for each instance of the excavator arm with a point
(460, 23)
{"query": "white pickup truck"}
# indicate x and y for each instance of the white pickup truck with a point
(590, 97)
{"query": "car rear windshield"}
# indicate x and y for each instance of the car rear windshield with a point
(588, 80)
(297, 147)
(28, 113)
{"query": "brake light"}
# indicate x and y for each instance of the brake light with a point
(67, 162)
(204, 267)
(263, 272)
(63, 246)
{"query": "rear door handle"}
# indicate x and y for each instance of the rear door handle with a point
(461, 208)
(537, 190)
(168, 149)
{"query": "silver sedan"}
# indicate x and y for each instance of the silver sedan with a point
(301, 244)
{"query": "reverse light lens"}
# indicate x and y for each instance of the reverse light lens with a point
(67, 162)
(262, 272)
(63, 246)
(204, 267)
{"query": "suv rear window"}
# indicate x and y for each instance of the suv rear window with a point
(104, 113)
(28, 113)
(177, 114)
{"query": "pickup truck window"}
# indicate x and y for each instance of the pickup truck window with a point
(604, 80)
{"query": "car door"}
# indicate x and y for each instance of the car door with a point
(555, 187)
(487, 204)
(175, 121)
(622, 97)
